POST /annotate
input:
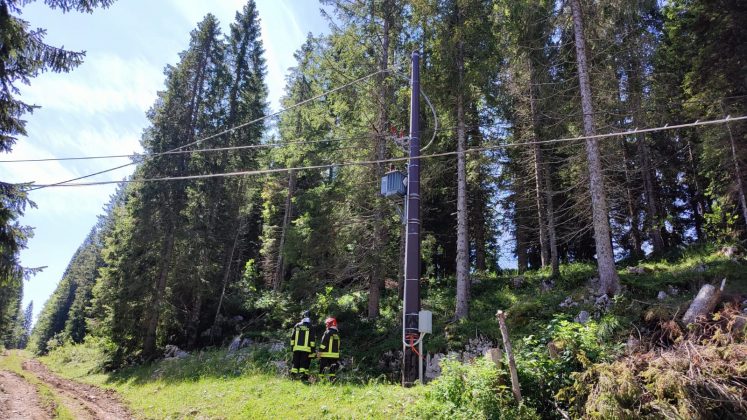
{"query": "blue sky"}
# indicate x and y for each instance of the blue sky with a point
(99, 108)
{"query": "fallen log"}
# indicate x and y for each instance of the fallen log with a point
(704, 303)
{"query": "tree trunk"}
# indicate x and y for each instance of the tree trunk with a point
(376, 280)
(226, 276)
(151, 325)
(279, 276)
(609, 280)
(636, 245)
(652, 207)
(544, 194)
(737, 174)
(462, 258)
(696, 199)
(522, 259)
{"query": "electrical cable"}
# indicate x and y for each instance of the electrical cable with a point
(176, 152)
(232, 129)
(401, 159)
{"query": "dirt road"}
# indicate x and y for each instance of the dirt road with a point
(20, 399)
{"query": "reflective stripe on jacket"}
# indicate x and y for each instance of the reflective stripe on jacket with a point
(330, 345)
(301, 339)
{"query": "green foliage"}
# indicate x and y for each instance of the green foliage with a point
(477, 390)
(547, 362)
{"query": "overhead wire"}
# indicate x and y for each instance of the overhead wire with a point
(179, 149)
(228, 130)
(401, 159)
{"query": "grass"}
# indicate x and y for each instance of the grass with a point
(213, 384)
(12, 361)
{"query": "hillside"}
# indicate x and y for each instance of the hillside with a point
(619, 363)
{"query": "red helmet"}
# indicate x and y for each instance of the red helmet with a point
(330, 322)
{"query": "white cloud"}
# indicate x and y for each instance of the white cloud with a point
(104, 83)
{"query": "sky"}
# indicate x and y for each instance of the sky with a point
(99, 108)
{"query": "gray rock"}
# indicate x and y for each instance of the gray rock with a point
(632, 344)
(495, 354)
(547, 285)
(277, 346)
(582, 317)
(433, 366)
(173, 352)
(246, 343)
(237, 318)
(729, 252)
(700, 268)
(662, 295)
(637, 270)
(672, 290)
(568, 303)
(280, 365)
(235, 344)
(602, 302)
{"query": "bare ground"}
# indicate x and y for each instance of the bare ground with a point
(19, 399)
(84, 401)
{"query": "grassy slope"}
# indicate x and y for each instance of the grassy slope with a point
(213, 385)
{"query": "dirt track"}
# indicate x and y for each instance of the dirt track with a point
(84, 401)
(19, 399)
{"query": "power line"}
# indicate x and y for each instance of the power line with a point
(229, 130)
(393, 160)
(176, 152)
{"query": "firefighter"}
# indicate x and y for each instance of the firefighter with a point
(329, 354)
(303, 346)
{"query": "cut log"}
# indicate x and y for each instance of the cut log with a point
(704, 303)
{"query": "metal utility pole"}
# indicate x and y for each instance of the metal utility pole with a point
(411, 307)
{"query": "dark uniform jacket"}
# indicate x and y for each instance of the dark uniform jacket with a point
(301, 339)
(330, 344)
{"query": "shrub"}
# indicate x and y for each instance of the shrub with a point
(475, 390)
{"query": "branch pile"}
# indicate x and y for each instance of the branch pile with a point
(702, 375)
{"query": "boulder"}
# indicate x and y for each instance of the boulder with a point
(568, 303)
(235, 344)
(602, 302)
(662, 295)
(496, 355)
(729, 252)
(582, 317)
(433, 366)
(638, 270)
(547, 285)
(173, 352)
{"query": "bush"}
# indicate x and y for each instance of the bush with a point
(546, 363)
(476, 390)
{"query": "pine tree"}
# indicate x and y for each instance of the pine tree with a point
(610, 283)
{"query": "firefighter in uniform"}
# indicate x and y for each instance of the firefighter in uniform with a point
(303, 346)
(329, 354)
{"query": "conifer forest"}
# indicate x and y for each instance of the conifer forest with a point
(582, 169)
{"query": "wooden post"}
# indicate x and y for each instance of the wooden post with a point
(511, 362)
